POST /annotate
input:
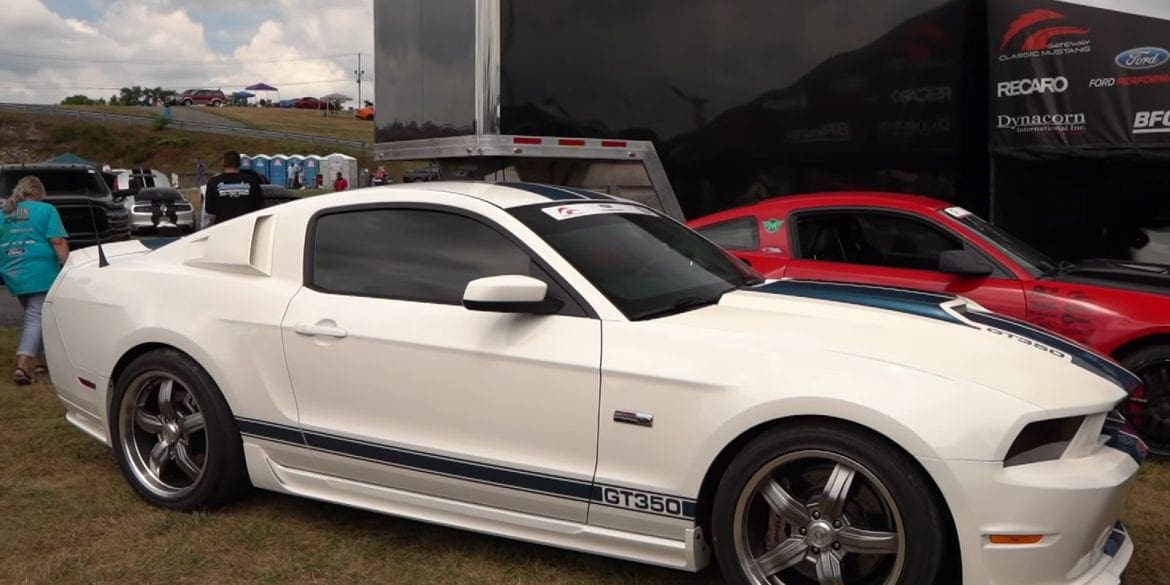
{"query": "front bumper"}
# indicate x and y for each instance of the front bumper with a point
(1074, 503)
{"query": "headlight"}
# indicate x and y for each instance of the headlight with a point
(1044, 440)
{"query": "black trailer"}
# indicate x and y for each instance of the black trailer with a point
(694, 106)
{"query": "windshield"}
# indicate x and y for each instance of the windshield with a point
(1033, 260)
(57, 181)
(647, 265)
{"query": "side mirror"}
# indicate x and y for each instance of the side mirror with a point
(963, 263)
(510, 294)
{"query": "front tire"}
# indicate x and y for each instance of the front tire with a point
(819, 503)
(1149, 414)
(175, 439)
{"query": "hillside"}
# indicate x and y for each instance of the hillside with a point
(26, 138)
(342, 126)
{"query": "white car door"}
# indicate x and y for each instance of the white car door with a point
(399, 385)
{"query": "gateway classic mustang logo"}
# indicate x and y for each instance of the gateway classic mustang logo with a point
(1027, 39)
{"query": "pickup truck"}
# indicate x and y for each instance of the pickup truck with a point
(81, 196)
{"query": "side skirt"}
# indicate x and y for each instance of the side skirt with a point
(690, 554)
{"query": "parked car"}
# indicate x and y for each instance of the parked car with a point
(134, 179)
(562, 367)
(423, 175)
(158, 210)
(201, 97)
(310, 103)
(82, 198)
(1119, 308)
(366, 113)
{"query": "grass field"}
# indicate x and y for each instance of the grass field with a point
(67, 516)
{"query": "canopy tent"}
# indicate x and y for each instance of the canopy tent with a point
(336, 97)
(263, 87)
(68, 158)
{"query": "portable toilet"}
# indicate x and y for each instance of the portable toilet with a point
(261, 164)
(245, 161)
(278, 170)
(296, 163)
(312, 170)
(345, 164)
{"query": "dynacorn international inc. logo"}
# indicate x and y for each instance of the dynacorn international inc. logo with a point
(1042, 123)
(1041, 33)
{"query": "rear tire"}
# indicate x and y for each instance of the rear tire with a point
(1149, 414)
(187, 102)
(826, 503)
(174, 437)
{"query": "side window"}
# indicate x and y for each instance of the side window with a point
(416, 255)
(877, 239)
(735, 234)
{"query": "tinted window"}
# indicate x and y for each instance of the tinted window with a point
(737, 234)
(415, 255)
(876, 239)
(56, 181)
(647, 265)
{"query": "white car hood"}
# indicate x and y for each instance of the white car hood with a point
(939, 334)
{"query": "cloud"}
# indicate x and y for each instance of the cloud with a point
(59, 49)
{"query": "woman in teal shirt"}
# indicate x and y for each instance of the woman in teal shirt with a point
(33, 247)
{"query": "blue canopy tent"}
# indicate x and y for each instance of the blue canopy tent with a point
(68, 158)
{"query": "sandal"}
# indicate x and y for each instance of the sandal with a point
(21, 377)
(40, 370)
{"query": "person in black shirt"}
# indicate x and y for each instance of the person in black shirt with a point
(232, 193)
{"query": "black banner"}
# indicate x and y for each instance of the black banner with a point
(1073, 80)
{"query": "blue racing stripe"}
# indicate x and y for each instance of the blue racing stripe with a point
(549, 192)
(550, 485)
(912, 302)
(1081, 356)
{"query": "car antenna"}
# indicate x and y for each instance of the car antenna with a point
(102, 261)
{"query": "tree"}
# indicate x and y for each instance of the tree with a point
(78, 100)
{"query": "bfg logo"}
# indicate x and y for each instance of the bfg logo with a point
(1030, 86)
(642, 502)
(1143, 58)
(1155, 122)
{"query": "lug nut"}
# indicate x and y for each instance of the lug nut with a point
(836, 546)
(816, 551)
(816, 515)
(836, 524)
(803, 531)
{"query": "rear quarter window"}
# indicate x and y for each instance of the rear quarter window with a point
(736, 234)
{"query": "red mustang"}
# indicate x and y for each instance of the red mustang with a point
(1119, 308)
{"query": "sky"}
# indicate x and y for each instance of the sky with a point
(51, 49)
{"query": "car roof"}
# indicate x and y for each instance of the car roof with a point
(786, 203)
(502, 195)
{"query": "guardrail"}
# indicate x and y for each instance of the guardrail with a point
(61, 112)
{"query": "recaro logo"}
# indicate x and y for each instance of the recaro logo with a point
(1031, 86)
(1030, 41)
(922, 95)
(1143, 58)
(1153, 122)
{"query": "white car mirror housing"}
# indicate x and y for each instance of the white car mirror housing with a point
(511, 293)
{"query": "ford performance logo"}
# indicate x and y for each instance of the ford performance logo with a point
(1143, 58)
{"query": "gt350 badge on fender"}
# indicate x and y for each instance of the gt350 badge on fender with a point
(643, 502)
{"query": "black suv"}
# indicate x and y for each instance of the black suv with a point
(81, 197)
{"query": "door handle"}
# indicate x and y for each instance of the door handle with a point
(319, 330)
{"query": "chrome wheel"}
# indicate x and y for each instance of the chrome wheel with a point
(818, 517)
(162, 434)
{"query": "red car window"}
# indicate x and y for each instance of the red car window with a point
(735, 234)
